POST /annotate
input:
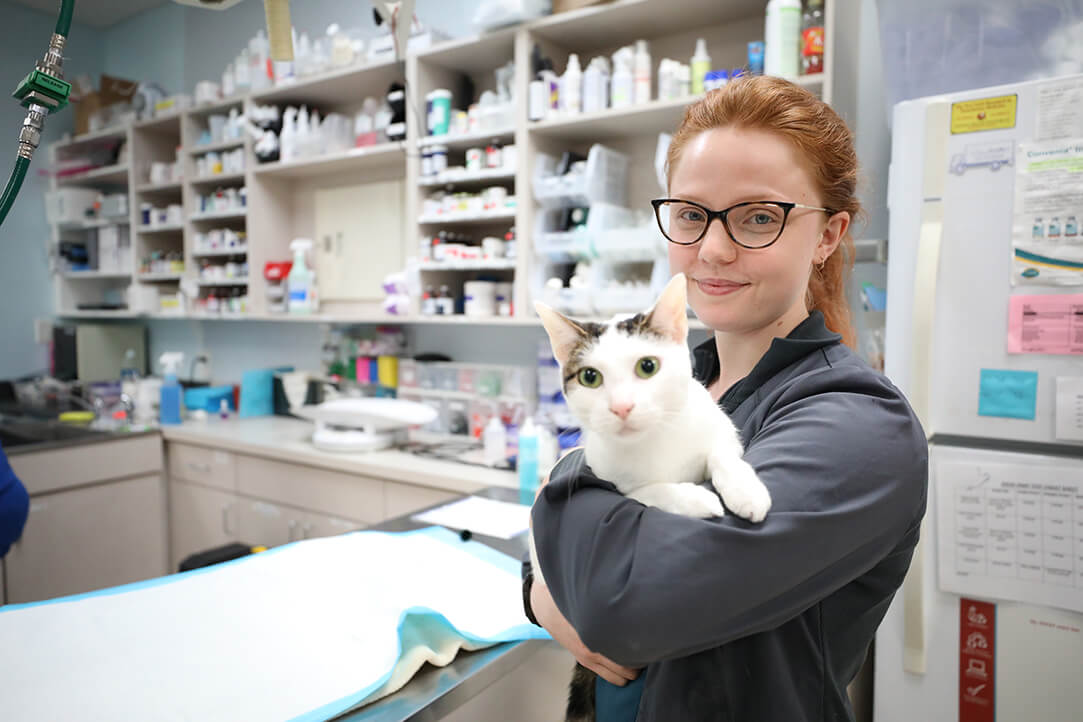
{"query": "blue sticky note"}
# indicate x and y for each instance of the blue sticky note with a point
(1010, 394)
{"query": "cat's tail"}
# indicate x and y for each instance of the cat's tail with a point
(581, 695)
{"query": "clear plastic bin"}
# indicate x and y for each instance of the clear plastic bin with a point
(580, 245)
(620, 299)
(571, 301)
(604, 180)
(629, 245)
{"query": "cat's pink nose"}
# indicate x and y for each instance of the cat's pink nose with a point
(622, 410)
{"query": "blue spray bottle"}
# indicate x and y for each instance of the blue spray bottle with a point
(169, 408)
(528, 462)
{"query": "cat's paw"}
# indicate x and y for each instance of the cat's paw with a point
(699, 502)
(744, 493)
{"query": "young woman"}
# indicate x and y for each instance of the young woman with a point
(722, 619)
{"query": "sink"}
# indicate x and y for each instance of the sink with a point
(20, 432)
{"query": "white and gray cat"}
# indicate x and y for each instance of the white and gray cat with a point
(649, 427)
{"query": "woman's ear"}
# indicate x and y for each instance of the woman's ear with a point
(834, 232)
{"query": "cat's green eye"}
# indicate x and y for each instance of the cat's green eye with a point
(647, 366)
(590, 377)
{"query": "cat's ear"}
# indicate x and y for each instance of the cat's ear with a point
(668, 317)
(564, 333)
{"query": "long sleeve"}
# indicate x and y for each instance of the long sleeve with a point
(14, 505)
(846, 464)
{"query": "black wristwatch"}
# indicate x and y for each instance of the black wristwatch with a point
(528, 583)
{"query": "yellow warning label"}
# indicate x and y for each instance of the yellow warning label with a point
(970, 116)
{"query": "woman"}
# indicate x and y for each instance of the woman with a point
(723, 619)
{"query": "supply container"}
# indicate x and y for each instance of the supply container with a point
(479, 298)
(604, 179)
(527, 462)
(438, 111)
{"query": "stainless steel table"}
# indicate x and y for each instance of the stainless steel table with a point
(435, 692)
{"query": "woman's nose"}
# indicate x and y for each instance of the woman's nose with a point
(716, 246)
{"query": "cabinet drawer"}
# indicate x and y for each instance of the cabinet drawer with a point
(212, 467)
(402, 499)
(348, 496)
(73, 466)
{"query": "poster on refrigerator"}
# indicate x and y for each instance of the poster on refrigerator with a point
(1047, 238)
(1011, 532)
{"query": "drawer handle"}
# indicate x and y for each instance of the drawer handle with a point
(226, 529)
(306, 531)
(199, 468)
(292, 527)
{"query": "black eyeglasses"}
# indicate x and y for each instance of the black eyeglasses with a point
(753, 224)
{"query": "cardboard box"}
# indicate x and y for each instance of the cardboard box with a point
(563, 6)
(111, 91)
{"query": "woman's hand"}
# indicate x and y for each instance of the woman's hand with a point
(554, 622)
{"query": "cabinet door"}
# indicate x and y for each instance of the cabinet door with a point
(359, 233)
(199, 519)
(262, 523)
(89, 538)
(320, 525)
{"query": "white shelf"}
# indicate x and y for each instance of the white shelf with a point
(156, 277)
(223, 282)
(467, 218)
(469, 140)
(218, 146)
(217, 179)
(334, 87)
(107, 174)
(372, 156)
(218, 252)
(647, 118)
(469, 178)
(218, 105)
(94, 275)
(456, 394)
(500, 264)
(168, 228)
(219, 215)
(159, 187)
(91, 225)
(96, 137)
(159, 121)
(103, 313)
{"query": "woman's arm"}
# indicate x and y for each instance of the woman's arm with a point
(14, 505)
(847, 472)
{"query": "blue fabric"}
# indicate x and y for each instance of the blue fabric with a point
(14, 505)
(617, 704)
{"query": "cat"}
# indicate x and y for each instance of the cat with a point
(650, 428)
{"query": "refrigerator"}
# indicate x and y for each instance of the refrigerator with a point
(984, 334)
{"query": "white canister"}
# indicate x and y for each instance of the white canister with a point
(426, 162)
(439, 159)
(504, 293)
(174, 214)
(479, 298)
(492, 247)
(492, 198)
(475, 159)
(511, 162)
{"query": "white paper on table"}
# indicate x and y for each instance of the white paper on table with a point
(490, 517)
(1009, 531)
(1070, 408)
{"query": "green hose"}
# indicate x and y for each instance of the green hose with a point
(14, 183)
(63, 23)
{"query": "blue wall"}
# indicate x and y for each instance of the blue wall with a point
(149, 47)
(26, 290)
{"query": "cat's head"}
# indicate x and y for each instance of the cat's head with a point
(624, 377)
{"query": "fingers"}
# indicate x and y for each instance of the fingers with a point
(605, 673)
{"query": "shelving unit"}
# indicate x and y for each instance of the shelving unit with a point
(364, 208)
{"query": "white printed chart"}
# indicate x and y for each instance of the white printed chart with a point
(1012, 532)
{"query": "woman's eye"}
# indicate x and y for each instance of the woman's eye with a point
(647, 367)
(762, 219)
(691, 216)
(590, 377)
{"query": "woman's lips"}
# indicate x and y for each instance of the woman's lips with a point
(718, 286)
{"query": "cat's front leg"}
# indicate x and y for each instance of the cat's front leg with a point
(739, 486)
(684, 499)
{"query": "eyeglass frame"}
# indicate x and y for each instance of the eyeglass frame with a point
(723, 215)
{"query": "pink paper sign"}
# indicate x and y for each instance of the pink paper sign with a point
(1050, 324)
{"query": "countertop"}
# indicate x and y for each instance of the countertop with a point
(287, 439)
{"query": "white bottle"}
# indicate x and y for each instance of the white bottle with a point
(668, 71)
(596, 86)
(571, 88)
(241, 77)
(782, 37)
(300, 282)
(684, 81)
(643, 72)
(701, 65)
(622, 88)
(304, 141)
(495, 441)
(288, 140)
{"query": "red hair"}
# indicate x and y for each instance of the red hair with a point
(759, 102)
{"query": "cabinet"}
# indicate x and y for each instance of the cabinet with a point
(269, 524)
(89, 538)
(199, 519)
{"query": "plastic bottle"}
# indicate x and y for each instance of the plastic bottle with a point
(701, 64)
(552, 85)
(169, 404)
(622, 88)
(304, 140)
(288, 140)
(494, 441)
(782, 33)
(571, 87)
(300, 282)
(527, 464)
(596, 86)
(812, 38)
(642, 73)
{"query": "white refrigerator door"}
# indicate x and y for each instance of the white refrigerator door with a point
(947, 315)
(1037, 674)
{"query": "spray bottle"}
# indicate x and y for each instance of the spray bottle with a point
(571, 87)
(642, 73)
(169, 405)
(304, 140)
(288, 140)
(301, 281)
(701, 64)
(621, 89)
